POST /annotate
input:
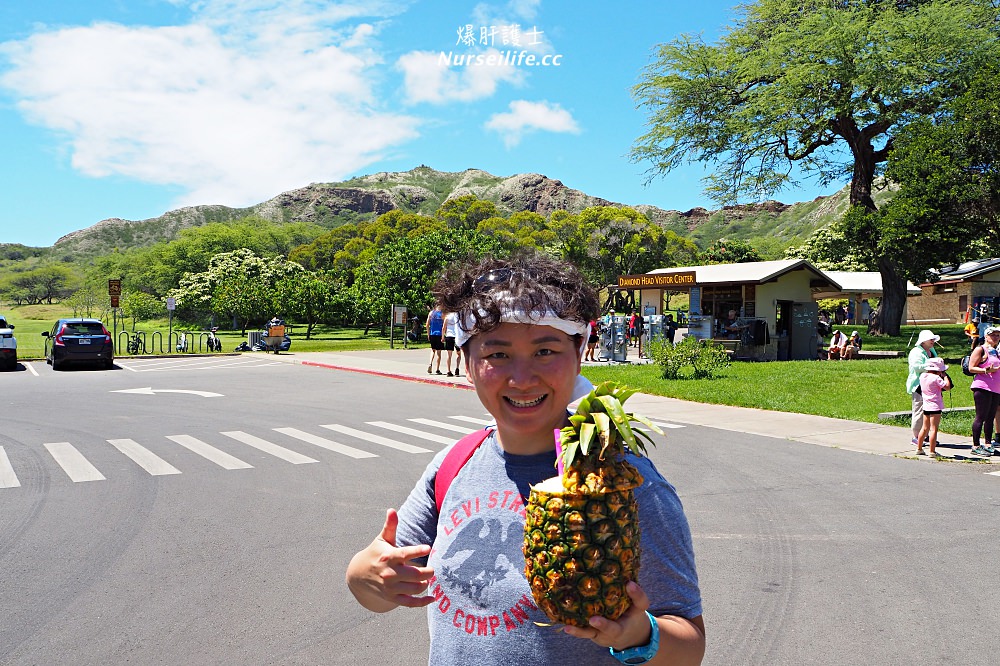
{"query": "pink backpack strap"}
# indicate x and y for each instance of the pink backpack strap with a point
(454, 460)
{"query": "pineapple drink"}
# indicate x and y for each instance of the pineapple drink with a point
(581, 534)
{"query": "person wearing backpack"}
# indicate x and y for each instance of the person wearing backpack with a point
(984, 364)
(435, 335)
(455, 547)
(917, 359)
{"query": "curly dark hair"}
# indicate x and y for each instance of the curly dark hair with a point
(532, 282)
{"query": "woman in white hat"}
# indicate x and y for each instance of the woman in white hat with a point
(918, 357)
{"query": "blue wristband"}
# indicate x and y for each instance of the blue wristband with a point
(643, 653)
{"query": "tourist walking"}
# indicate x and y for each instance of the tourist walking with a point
(917, 359)
(984, 364)
(592, 339)
(435, 335)
(450, 331)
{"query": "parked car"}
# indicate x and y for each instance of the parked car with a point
(8, 345)
(72, 340)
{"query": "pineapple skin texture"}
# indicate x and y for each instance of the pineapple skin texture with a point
(582, 546)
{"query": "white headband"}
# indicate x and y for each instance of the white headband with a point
(549, 318)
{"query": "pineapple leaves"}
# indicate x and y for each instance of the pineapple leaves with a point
(601, 416)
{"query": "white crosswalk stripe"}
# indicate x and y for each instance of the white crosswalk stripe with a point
(412, 431)
(79, 469)
(209, 452)
(445, 426)
(73, 463)
(8, 479)
(324, 443)
(143, 457)
(472, 419)
(267, 447)
(376, 439)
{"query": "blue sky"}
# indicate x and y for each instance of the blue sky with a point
(131, 108)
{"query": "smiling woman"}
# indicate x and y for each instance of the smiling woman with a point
(522, 327)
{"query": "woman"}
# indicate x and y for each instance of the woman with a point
(592, 341)
(523, 325)
(984, 364)
(853, 345)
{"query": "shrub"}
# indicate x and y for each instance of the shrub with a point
(707, 359)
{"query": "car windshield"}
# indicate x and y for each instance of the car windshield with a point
(83, 328)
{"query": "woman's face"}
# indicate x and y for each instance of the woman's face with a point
(524, 375)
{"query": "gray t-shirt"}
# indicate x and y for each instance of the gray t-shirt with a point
(484, 613)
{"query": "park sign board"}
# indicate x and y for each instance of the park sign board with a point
(657, 280)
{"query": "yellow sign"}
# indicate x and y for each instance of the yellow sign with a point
(657, 280)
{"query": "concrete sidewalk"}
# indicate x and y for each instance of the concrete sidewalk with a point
(411, 365)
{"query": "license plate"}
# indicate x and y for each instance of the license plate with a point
(83, 341)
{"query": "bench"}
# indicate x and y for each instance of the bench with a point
(895, 415)
(881, 353)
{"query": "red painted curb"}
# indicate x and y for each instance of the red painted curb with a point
(389, 375)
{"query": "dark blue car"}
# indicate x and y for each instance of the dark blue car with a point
(79, 340)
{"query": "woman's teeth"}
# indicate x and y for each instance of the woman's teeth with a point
(528, 403)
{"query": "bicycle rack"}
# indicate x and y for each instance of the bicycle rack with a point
(119, 347)
(153, 341)
(202, 340)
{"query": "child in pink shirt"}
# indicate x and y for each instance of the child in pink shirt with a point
(933, 382)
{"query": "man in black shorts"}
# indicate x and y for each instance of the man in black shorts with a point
(435, 335)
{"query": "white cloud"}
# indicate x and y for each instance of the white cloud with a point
(250, 99)
(434, 77)
(525, 117)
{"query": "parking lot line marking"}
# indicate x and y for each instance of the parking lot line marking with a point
(267, 447)
(209, 452)
(73, 463)
(993, 473)
(143, 457)
(376, 439)
(412, 431)
(7, 477)
(327, 444)
(444, 426)
(31, 368)
(470, 419)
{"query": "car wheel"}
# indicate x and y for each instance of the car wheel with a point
(109, 364)
(56, 364)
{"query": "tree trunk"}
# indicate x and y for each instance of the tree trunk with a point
(889, 314)
(890, 307)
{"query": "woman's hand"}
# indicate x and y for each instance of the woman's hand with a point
(382, 577)
(630, 630)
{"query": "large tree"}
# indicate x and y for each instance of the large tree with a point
(822, 84)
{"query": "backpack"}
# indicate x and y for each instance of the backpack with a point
(965, 365)
(453, 462)
(436, 326)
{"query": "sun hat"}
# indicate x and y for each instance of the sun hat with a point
(935, 364)
(991, 329)
(926, 335)
(853, 333)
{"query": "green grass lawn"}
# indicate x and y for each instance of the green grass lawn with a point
(855, 390)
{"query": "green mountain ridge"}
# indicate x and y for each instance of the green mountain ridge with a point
(422, 190)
